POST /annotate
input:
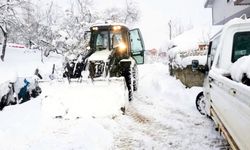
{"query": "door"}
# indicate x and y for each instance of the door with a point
(137, 46)
(230, 100)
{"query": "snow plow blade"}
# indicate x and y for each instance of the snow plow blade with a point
(102, 97)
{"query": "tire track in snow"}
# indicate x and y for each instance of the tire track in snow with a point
(144, 131)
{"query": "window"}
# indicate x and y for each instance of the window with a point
(102, 40)
(212, 50)
(136, 41)
(241, 45)
(137, 46)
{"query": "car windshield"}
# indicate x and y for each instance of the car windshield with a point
(241, 45)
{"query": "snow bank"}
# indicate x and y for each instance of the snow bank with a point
(28, 125)
(240, 67)
(152, 81)
(86, 99)
(184, 62)
(25, 126)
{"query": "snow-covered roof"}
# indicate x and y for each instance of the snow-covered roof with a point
(186, 46)
(191, 39)
(237, 21)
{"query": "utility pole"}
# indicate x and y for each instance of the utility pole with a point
(170, 29)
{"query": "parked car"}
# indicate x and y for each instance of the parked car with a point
(225, 99)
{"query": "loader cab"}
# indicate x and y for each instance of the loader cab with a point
(118, 39)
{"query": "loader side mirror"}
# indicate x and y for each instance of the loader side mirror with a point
(195, 65)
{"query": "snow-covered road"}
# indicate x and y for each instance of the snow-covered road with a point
(162, 116)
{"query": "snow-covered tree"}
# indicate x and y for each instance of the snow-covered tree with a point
(7, 20)
(129, 14)
(68, 34)
(11, 21)
(53, 28)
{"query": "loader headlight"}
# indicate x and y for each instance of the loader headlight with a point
(95, 28)
(116, 28)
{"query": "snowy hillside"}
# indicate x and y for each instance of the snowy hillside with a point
(162, 116)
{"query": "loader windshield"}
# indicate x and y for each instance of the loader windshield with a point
(109, 39)
(102, 40)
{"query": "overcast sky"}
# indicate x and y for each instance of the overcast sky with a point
(155, 15)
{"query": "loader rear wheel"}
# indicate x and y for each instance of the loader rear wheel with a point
(200, 103)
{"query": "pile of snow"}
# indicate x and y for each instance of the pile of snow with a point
(29, 130)
(86, 99)
(188, 60)
(179, 62)
(239, 68)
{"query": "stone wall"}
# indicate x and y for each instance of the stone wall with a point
(189, 77)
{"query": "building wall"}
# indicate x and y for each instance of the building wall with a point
(188, 77)
(225, 10)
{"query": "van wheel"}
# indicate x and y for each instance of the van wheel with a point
(200, 103)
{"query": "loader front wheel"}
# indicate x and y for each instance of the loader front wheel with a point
(127, 73)
(129, 82)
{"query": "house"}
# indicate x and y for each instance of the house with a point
(225, 10)
(190, 45)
